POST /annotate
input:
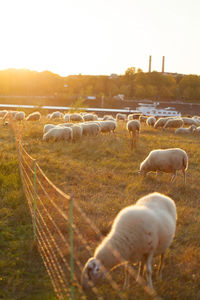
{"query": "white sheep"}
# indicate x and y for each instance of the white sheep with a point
(35, 116)
(56, 115)
(139, 232)
(183, 130)
(19, 116)
(133, 127)
(77, 132)
(133, 116)
(190, 121)
(108, 126)
(47, 127)
(75, 118)
(161, 122)
(58, 133)
(67, 117)
(121, 117)
(90, 117)
(108, 117)
(90, 128)
(143, 119)
(173, 123)
(151, 121)
(165, 160)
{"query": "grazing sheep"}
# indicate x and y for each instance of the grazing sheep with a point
(139, 232)
(143, 119)
(190, 121)
(19, 116)
(173, 123)
(120, 116)
(90, 128)
(108, 117)
(77, 132)
(90, 117)
(66, 117)
(75, 118)
(133, 126)
(133, 116)
(108, 126)
(161, 122)
(47, 127)
(165, 160)
(151, 121)
(183, 130)
(197, 130)
(58, 133)
(56, 115)
(35, 116)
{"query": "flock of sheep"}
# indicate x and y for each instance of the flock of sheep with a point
(140, 231)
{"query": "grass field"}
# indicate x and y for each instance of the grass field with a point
(101, 173)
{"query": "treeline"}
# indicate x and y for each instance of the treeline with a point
(133, 85)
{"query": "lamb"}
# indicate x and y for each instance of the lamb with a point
(58, 133)
(173, 123)
(133, 126)
(35, 116)
(120, 116)
(183, 130)
(165, 160)
(151, 121)
(139, 232)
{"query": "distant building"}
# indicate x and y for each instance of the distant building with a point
(113, 76)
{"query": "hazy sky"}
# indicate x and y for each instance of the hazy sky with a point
(100, 36)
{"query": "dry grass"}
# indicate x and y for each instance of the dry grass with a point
(101, 172)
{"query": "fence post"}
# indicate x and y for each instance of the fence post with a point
(34, 198)
(71, 246)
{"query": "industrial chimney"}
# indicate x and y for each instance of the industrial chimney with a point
(149, 63)
(163, 64)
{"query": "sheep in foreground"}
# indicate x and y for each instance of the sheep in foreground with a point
(165, 160)
(151, 121)
(133, 126)
(183, 130)
(139, 232)
(58, 133)
(173, 123)
(35, 116)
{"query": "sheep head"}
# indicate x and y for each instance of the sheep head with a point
(92, 273)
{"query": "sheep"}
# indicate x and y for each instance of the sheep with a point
(190, 121)
(90, 117)
(151, 121)
(66, 117)
(35, 116)
(75, 118)
(133, 126)
(197, 130)
(108, 126)
(165, 160)
(108, 118)
(77, 132)
(56, 115)
(183, 130)
(3, 113)
(10, 114)
(58, 133)
(90, 128)
(120, 116)
(19, 116)
(139, 232)
(173, 123)
(47, 127)
(143, 119)
(133, 116)
(161, 122)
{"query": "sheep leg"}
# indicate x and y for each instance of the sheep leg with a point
(149, 271)
(141, 268)
(160, 267)
(173, 177)
(184, 175)
(127, 276)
